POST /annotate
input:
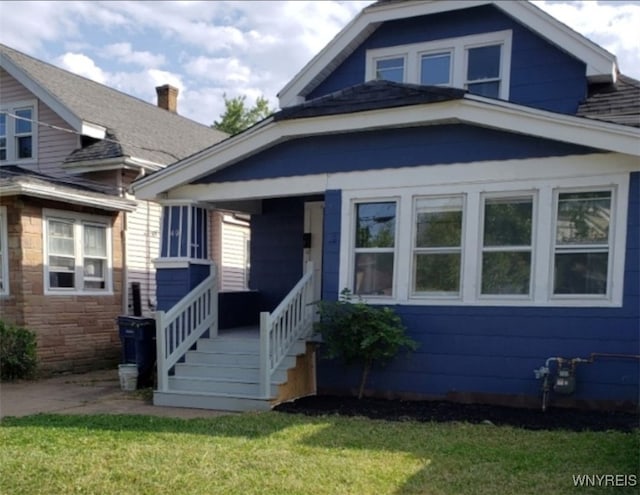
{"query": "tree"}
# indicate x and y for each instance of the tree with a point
(237, 117)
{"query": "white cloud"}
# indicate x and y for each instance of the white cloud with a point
(82, 65)
(125, 54)
(220, 70)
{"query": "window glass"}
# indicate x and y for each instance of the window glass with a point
(376, 225)
(23, 124)
(437, 250)
(374, 253)
(483, 70)
(2, 256)
(435, 69)
(506, 254)
(483, 62)
(581, 261)
(390, 69)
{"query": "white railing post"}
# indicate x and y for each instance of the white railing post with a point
(162, 372)
(265, 373)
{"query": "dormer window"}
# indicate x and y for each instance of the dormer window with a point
(479, 63)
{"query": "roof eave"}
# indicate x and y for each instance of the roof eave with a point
(100, 165)
(471, 110)
(102, 202)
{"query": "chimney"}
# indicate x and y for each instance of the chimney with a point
(168, 97)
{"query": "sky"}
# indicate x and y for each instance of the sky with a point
(213, 48)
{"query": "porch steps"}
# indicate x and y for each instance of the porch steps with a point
(223, 373)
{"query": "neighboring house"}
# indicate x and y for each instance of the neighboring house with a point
(473, 165)
(73, 240)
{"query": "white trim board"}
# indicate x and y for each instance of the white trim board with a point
(575, 167)
(472, 110)
(601, 65)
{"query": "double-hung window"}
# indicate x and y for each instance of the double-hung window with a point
(437, 246)
(375, 242)
(582, 243)
(507, 245)
(77, 254)
(480, 63)
(17, 131)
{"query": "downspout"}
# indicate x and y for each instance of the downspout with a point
(123, 249)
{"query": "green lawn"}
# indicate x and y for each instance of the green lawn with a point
(275, 453)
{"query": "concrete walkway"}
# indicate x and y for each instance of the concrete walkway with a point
(96, 392)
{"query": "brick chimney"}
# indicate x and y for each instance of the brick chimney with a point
(168, 97)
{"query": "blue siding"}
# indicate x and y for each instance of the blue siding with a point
(429, 145)
(331, 247)
(494, 350)
(174, 283)
(542, 75)
(277, 249)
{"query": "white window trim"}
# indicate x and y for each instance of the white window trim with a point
(10, 108)
(458, 48)
(4, 267)
(78, 220)
(541, 293)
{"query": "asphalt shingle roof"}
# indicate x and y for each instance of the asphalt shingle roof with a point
(371, 95)
(12, 174)
(143, 130)
(619, 103)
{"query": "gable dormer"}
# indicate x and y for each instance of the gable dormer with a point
(507, 50)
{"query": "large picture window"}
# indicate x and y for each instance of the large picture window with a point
(506, 245)
(375, 234)
(581, 257)
(17, 131)
(77, 254)
(437, 246)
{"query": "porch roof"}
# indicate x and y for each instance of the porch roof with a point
(68, 189)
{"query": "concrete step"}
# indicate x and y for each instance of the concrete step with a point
(219, 402)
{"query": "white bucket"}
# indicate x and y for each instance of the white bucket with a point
(128, 376)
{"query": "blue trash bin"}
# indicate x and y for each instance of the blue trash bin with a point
(138, 338)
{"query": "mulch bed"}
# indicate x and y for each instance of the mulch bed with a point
(441, 411)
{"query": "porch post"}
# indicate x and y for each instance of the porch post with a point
(265, 375)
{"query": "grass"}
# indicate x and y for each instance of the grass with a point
(275, 453)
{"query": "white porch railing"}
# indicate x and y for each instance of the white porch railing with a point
(279, 330)
(180, 327)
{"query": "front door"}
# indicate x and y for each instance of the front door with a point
(313, 223)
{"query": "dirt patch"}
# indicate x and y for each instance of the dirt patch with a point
(441, 411)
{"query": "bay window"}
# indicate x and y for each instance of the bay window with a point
(77, 254)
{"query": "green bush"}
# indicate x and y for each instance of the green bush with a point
(17, 352)
(361, 334)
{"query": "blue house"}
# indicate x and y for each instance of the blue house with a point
(472, 164)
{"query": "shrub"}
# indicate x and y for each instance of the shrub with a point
(361, 334)
(17, 352)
